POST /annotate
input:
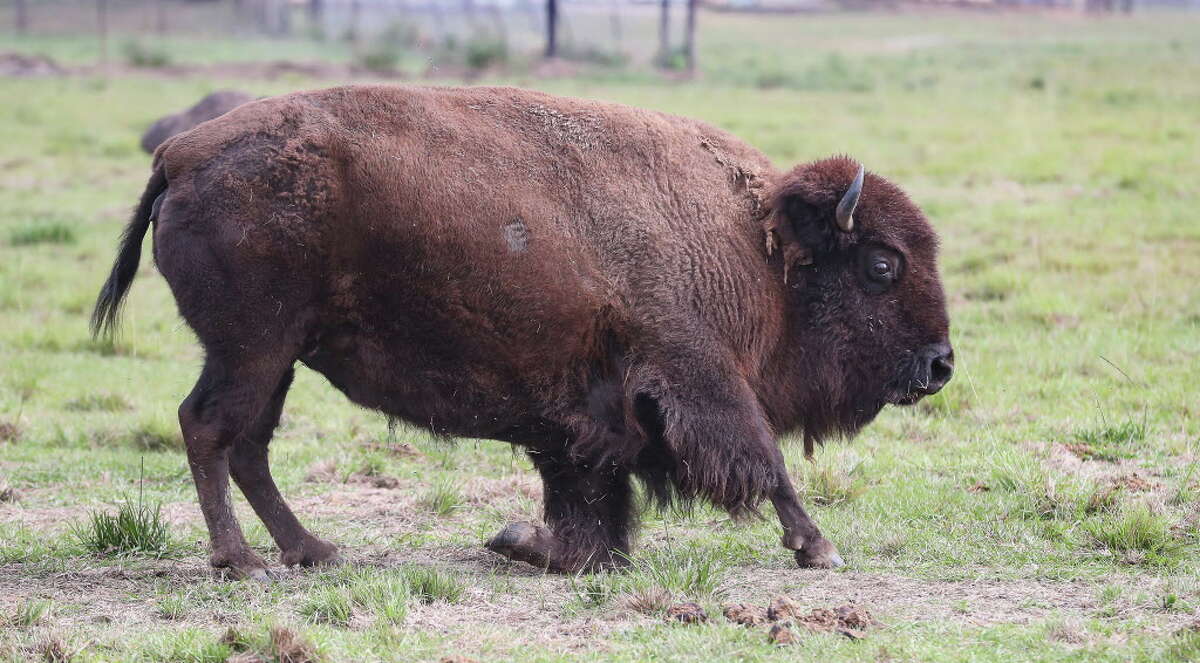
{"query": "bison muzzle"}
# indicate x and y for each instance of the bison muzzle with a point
(623, 293)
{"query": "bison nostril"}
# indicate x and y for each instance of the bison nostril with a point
(940, 370)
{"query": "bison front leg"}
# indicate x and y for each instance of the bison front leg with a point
(800, 533)
(588, 514)
(721, 448)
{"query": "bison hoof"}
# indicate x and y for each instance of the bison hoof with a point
(819, 554)
(524, 542)
(241, 565)
(313, 552)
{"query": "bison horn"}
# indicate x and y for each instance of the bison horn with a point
(845, 208)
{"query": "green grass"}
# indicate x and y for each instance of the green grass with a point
(133, 529)
(1112, 442)
(428, 585)
(442, 498)
(1135, 529)
(31, 612)
(46, 233)
(1057, 157)
(328, 605)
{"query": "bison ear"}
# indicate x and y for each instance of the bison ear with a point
(798, 225)
(810, 207)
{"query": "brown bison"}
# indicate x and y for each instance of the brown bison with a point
(213, 105)
(622, 293)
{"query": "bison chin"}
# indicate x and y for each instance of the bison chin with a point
(908, 399)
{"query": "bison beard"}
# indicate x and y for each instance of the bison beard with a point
(587, 281)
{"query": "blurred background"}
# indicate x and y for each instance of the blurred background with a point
(449, 37)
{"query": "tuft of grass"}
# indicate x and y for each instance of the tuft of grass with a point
(155, 436)
(386, 597)
(134, 529)
(370, 465)
(650, 600)
(138, 54)
(693, 573)
(428, 585)
(1187, 489)
(174, 607)
(328, 605)
(98, 403)
(31, 612)
(42, 233)
(1113, 441)
(442, 498)
(1013, 471)
(1136, 530)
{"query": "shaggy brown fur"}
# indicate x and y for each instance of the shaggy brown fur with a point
(212, 105)
(621, 292)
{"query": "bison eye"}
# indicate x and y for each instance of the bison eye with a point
(880, 268)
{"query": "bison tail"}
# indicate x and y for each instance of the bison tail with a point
(108, 304)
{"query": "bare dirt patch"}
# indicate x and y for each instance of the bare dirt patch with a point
(898, 598)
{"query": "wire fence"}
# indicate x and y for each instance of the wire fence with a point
(580, 20)
(479, 32)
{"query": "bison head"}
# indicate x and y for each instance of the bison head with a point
(865, 300)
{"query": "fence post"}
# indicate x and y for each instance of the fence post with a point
(551, 28)
(689, 43)
(21, 21)
(614, 22)
(352, 30)
(664, 32)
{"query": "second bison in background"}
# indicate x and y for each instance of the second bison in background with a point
(213, 105)
(625, 294)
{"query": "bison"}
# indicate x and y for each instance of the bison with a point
(212, 105)
(624, 294)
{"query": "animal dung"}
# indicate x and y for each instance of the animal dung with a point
(785, 614)
(745, 614)
(852, 616)
(782, 608)
(687, 613)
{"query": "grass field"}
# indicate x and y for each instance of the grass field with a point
(1044, 506)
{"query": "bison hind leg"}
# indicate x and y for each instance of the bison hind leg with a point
(250, 469)
(588, 509)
